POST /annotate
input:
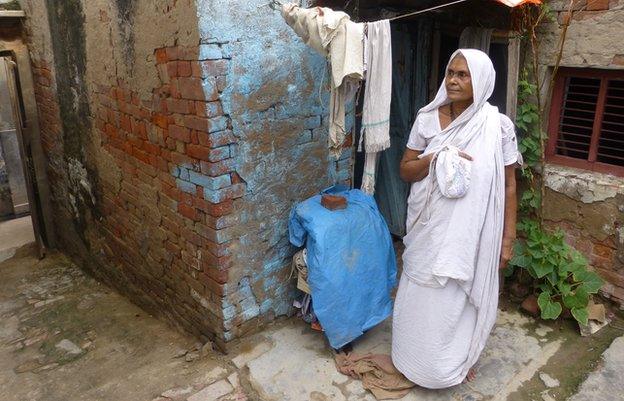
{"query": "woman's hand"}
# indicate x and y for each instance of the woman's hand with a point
(506, 252)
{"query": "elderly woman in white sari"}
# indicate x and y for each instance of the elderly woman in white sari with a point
(460, 159)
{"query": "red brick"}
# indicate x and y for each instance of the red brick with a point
(172, 53)
(161, 55)
(208, 109)
(212, 286)
(188, 211)
(618, 59)
(184, 68)
(216, 139)
(221, 209)
(179, 158)
(181, 106)
(171, 143)
(218, 168)
(180, 133)
(597, 5)
(191, 236)
(194, 137)
(236, 179)
(160, 120)
(124, 123)
(219, 276)
(198, 123)
(198, 152)
(190, 88)
(603, 251)
(151, 148)
(139, 129)
(172, 69)
(141, 155)
(196, 70)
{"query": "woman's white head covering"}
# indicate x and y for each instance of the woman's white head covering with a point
(483, 77)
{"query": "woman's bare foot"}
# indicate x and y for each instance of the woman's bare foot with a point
(472, 374)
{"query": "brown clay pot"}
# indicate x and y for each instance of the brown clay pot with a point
(530, 306)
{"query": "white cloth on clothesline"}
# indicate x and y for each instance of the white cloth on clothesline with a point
(335, 36)
(377, 97)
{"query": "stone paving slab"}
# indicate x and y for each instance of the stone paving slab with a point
(607, 382)
(299, 365)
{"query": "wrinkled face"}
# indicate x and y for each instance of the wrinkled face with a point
(458, 82)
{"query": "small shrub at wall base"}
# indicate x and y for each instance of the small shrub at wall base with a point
(560, 273)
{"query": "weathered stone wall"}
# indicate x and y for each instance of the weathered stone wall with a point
(588, 206)
(179, 133)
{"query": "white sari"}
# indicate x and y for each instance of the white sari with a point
(448, 296)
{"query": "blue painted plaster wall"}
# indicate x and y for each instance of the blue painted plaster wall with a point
(271, 96)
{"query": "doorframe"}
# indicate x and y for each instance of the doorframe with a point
(29, 139)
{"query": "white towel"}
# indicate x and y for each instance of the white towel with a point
(335, 36)
(377, 97)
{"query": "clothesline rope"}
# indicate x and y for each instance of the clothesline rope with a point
(425, 10)
(275, 4)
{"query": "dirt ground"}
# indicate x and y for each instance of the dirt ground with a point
(66, 337)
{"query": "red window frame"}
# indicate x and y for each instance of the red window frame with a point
(556, 113)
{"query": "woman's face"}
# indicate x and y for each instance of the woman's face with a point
(458, 82)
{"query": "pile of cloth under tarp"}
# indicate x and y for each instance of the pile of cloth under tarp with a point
(351, 264)
(355, 51)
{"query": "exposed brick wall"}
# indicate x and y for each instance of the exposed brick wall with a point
(47, 106)
(180, 198)
(178, 183)
(163, 222)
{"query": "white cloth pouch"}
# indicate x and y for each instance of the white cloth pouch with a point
(452, 172)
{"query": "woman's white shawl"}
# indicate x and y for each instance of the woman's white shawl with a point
(468, 248)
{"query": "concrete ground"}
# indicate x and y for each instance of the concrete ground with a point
(66, 337)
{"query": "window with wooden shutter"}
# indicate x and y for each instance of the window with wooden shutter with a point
(586, 124)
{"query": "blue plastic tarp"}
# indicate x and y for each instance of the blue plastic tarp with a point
(351, 263)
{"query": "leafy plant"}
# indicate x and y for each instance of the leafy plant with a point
(560, 271)
(528, 122)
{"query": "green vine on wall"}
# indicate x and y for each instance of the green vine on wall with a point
(560, 273)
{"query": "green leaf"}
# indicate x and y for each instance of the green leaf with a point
(545, 287)
(591, 281)
(581, 315)
(564, 288)
(548, 308)
(578, 299)
(541, 269)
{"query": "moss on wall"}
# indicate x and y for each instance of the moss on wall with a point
(68, 41)
(125, 19)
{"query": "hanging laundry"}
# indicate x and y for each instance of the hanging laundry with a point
(333, 35)
(351, 263)
(377, 96)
